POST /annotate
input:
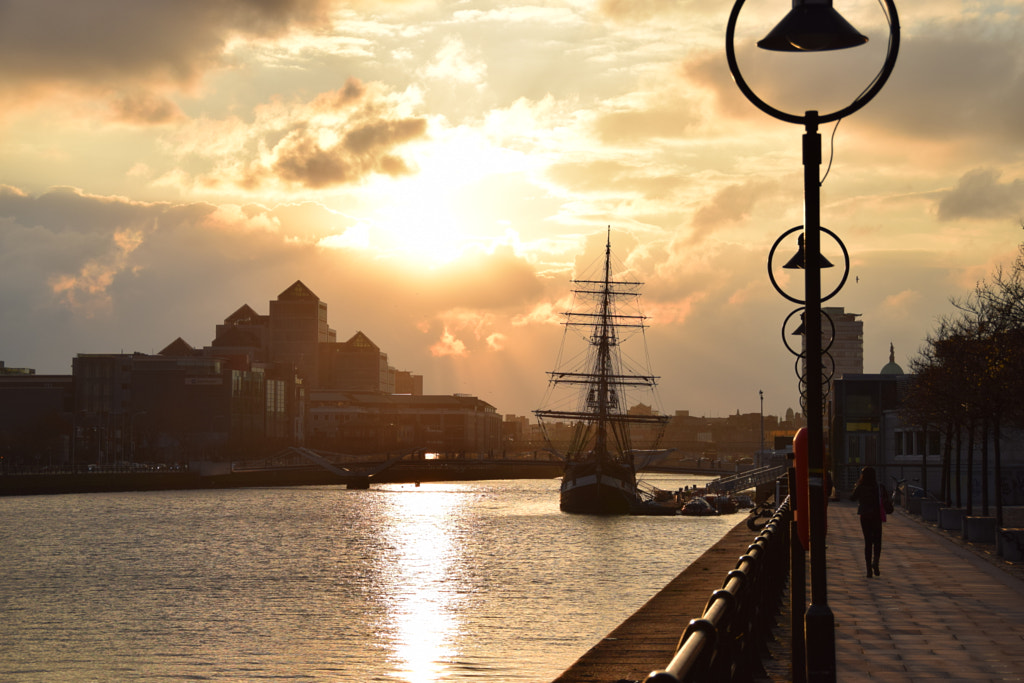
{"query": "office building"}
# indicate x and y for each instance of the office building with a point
(297, 328)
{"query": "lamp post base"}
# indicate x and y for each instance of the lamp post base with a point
(820, 641)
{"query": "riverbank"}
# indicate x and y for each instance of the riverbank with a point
(400, 473)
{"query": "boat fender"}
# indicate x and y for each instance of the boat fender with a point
(759, 517)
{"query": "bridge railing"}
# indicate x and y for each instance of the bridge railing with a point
(727, 642)
(746, 480)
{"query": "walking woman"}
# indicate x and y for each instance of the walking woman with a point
(871, 497)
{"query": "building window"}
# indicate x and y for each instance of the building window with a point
(917, 443)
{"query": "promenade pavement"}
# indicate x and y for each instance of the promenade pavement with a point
(941, 609)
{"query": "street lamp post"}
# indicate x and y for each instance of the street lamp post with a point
(814, 26)
(760, 453)
(819, 625)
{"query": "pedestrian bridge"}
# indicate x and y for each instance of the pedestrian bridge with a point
(350, 476)
(746, 480)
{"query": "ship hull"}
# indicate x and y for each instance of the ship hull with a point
(589, 491)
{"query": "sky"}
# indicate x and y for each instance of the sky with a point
(437, 172)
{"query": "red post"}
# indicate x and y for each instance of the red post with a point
(803, 525)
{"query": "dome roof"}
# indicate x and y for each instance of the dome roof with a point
(892, 367)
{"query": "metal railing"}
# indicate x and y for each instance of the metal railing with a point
(746, 480)
(728, 641)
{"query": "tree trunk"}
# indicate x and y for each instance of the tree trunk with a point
(959, 463)
(947, 447)
(924, 459)
(970, 467)
(984, 466)
(997, 428)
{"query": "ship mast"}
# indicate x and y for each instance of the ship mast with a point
(601, 422)
(604, 355)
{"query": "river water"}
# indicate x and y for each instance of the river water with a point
(440, 582)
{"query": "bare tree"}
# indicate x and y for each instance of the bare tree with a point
(968, 377)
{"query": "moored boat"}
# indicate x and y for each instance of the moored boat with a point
(697, 507)
(723, 505)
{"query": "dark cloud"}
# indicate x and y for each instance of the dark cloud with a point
(956, 85)
(958, 82)
(131, 53)
(730, 204)
(351, 93)
(336, 138)
(65, 209)
(368, 138)
(709, 71)
(146, 109)
(366, 149)
(789, 82)
(64, 42)
(979, 194)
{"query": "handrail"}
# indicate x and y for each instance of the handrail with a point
(746, 480)
(725, 643)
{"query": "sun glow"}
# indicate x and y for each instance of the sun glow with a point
(440, 212)
(424, 224)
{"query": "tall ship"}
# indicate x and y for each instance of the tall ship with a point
(589, 416)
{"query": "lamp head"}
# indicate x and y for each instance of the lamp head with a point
(799, 258)
(812, 26)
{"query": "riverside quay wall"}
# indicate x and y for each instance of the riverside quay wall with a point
(198, 477)
(648, 640)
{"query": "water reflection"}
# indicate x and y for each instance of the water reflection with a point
(446, 583)
(424, 579)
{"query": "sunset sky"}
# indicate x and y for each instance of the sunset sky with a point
(436, 171)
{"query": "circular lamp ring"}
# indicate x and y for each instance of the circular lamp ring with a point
(799, 366)
(785, 340)
(842, 281)
(829, 371)
(801, 353)
(771, 275)
(800, 370)
(813, 117)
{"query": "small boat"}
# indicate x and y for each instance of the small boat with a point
(697, 507)
(744, 501)
(654, 508)
(724, 505)
(600, 466)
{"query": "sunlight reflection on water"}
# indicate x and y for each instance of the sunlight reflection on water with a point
(425, 559)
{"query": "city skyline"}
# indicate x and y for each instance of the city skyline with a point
(437, 173)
